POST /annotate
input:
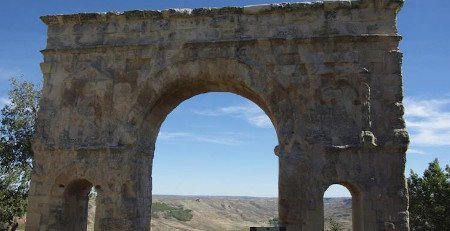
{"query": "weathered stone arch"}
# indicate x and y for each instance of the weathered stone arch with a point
(328, 74)
(184, 80)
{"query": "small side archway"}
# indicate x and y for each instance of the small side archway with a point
(356, 200)
(78, 214)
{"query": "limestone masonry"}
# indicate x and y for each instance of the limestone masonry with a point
(328, 74)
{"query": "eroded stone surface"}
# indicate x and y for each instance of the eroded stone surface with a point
(327, 74)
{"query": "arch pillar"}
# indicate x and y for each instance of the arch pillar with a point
(373, 177)
(125, 203)
(300, 202)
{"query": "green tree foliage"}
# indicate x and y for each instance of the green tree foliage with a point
(16, 155)
(429, 199)
(334, 225)
(170, 211)
(13, 196)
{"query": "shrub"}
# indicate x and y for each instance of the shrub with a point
(170, 211)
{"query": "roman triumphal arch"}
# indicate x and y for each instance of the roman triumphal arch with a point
(328, 74)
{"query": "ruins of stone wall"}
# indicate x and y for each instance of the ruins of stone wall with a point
(328, 74)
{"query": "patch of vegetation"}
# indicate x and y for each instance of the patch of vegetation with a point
(16, 155)
(170, 211)
(429, 195)
(274, 222)
(335, 226)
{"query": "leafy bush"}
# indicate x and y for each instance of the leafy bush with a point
(334, 226)
(274, 222)
(181, 214)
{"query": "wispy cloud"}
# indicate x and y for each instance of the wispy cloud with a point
(188, 136)
(250, 112)
(428, 121)
(416, 151)
(4, 101)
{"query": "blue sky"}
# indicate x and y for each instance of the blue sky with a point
(222, 144)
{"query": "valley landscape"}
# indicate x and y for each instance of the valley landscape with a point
(222, 213)
(217, 213)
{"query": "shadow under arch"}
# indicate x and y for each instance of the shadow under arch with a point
(75, 205)
(357, 203)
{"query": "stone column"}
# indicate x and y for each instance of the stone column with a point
(300, 200)
(385, 199)
(126, 204)
(38, 208)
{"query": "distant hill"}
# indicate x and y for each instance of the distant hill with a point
(340, 209)
(234, 213)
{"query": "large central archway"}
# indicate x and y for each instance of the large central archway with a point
(214, 160)
(185, 80)
(327, 74)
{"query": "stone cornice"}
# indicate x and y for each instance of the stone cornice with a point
(209, 12)
(345, 38)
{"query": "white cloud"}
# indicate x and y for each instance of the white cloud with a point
(4, 101)
(428, 121)
(416, 151)
(187, 136)
(250, 112)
